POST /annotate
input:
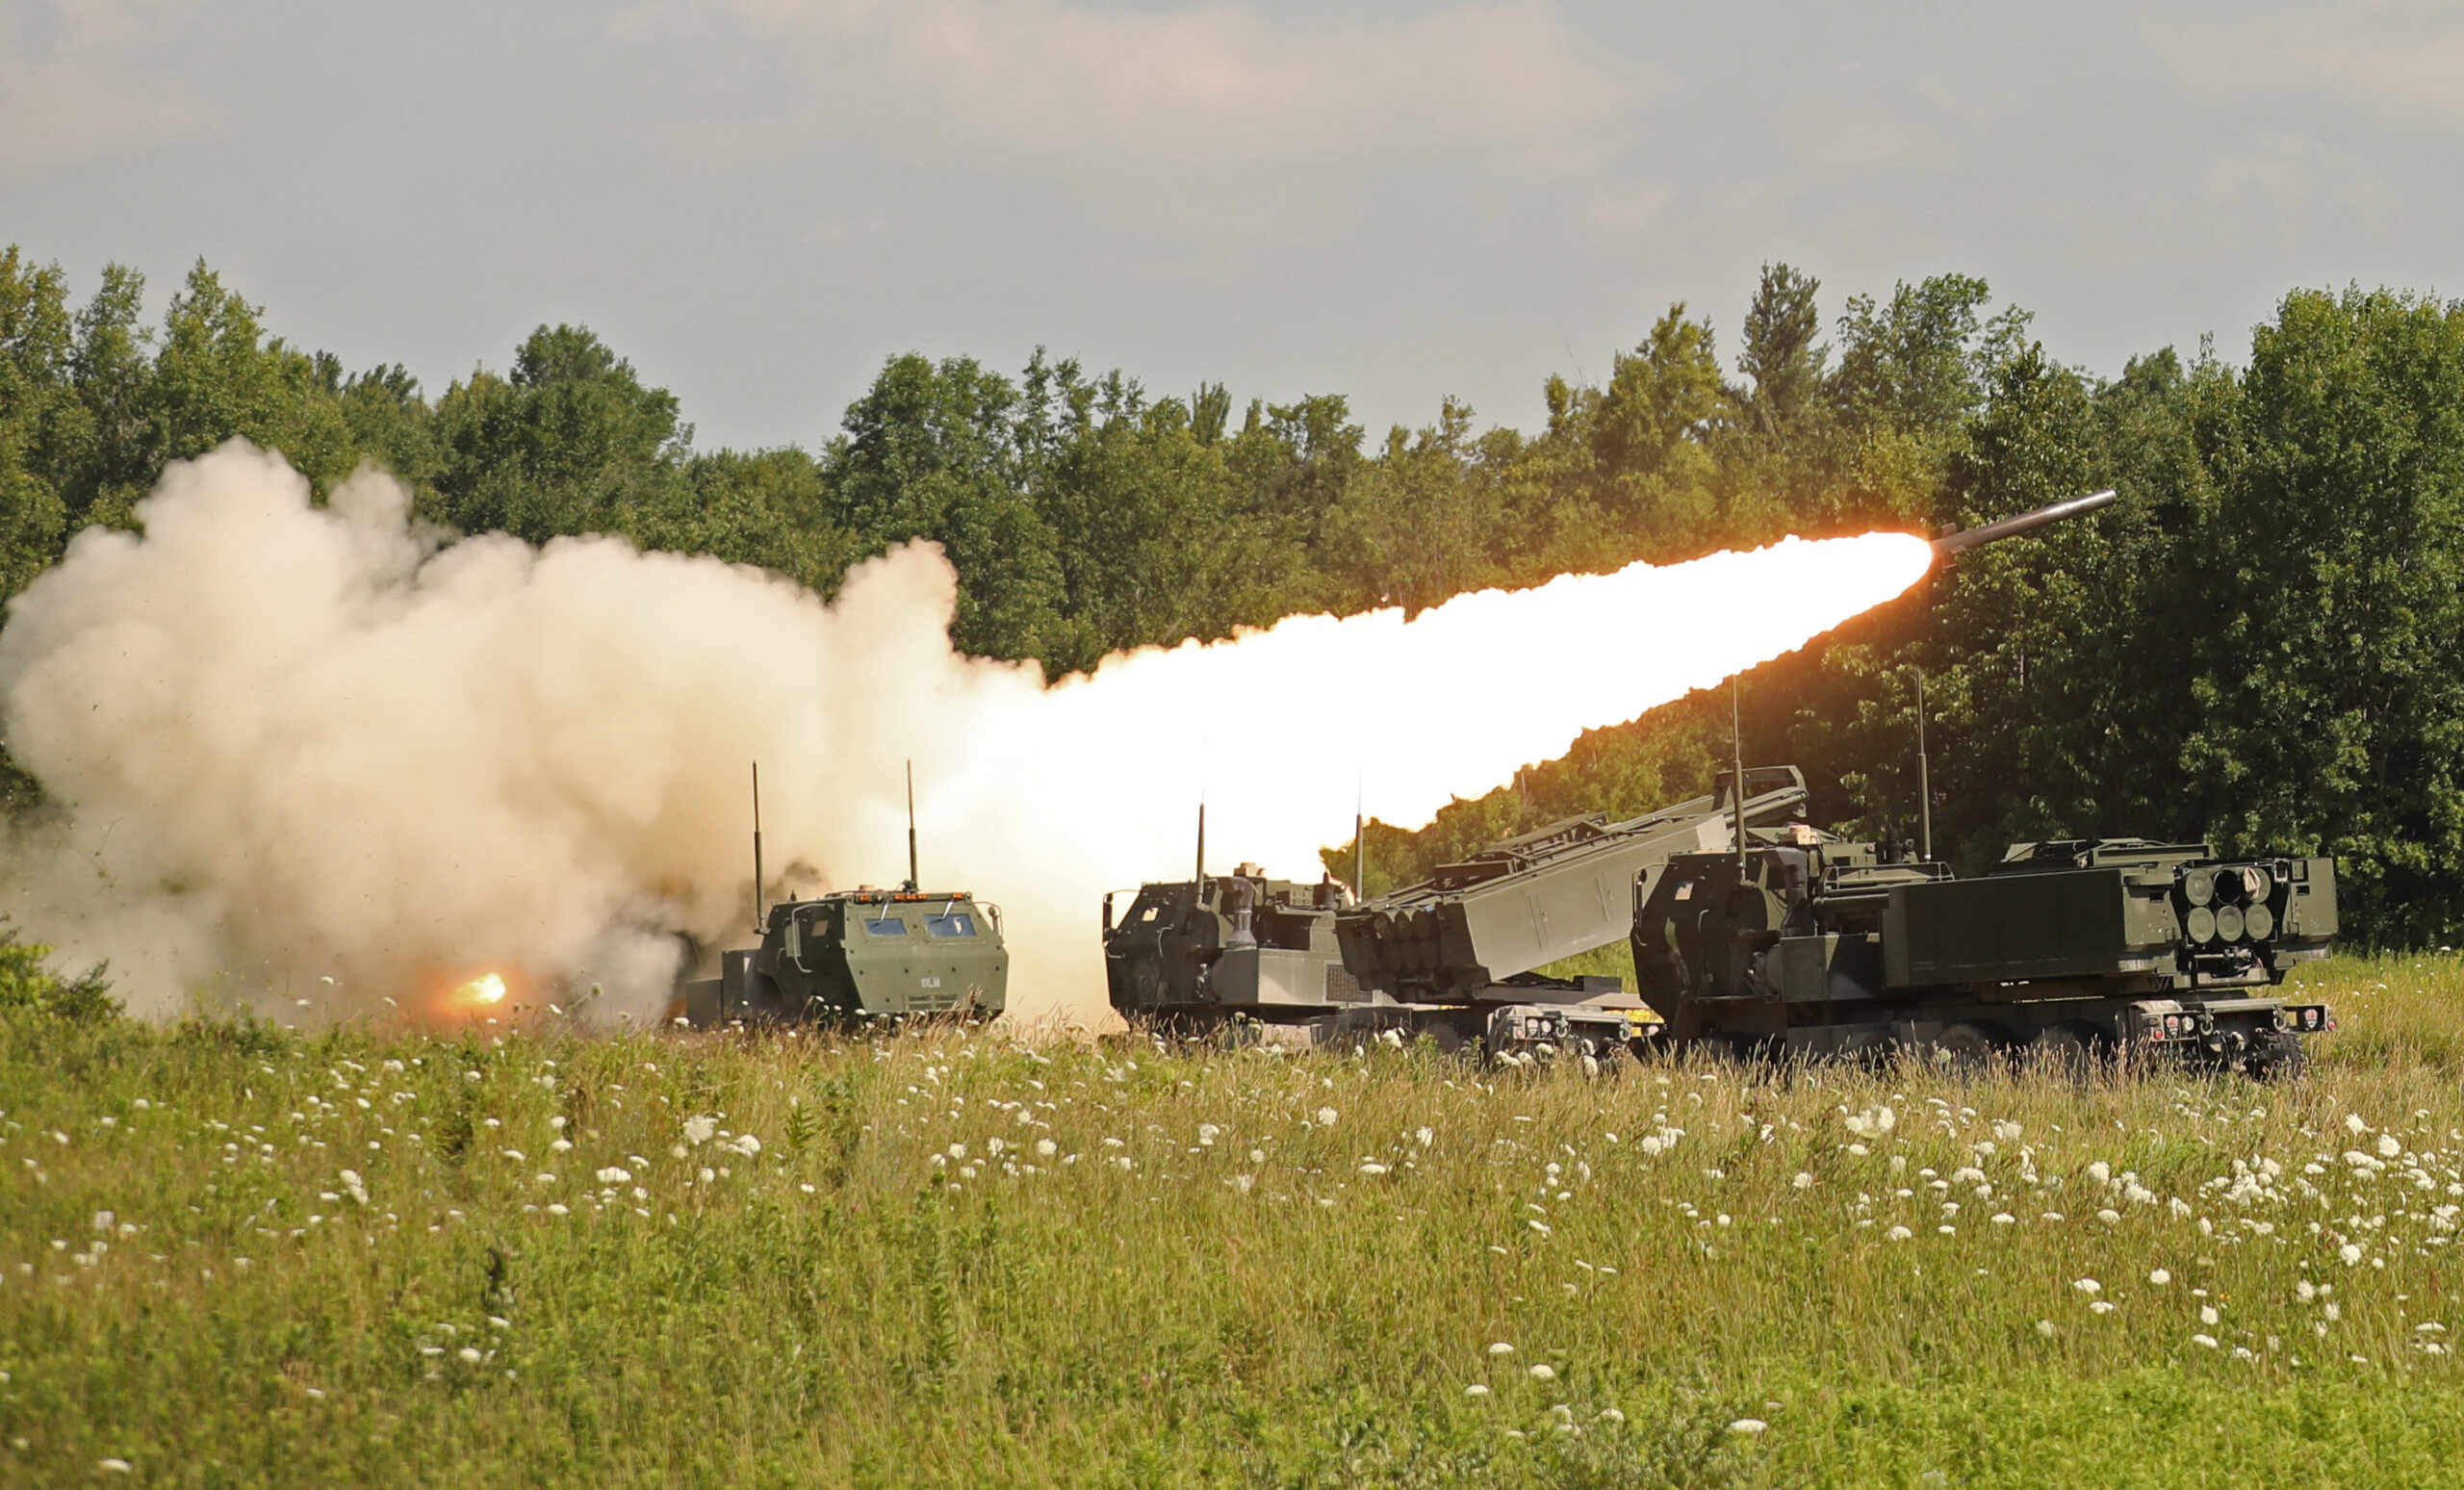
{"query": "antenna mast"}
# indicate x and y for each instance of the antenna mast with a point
(761, 911)
(1736, 787)
(1359, 846)
(911, 883)
(1924, 779)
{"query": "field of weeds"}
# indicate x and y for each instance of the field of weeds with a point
(231, 1255)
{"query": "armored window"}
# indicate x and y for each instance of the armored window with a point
(887, 926)
(958, 923)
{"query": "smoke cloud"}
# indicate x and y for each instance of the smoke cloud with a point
(297, 744)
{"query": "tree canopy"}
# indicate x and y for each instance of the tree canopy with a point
(2255, 645)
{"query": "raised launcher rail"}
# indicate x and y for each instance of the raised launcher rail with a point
(1555, 893)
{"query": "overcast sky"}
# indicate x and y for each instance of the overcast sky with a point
(758, 200)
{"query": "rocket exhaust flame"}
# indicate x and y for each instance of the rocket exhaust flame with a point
(315, 742)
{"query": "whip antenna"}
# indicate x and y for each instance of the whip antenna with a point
(1924, 779)
(911, 881)
(760, 910)
(1359, 844)
(1737, 789)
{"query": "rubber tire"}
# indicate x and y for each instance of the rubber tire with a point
(2064, 1048)
(1968, 1050)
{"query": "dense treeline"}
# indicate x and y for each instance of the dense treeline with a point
(2255, 645)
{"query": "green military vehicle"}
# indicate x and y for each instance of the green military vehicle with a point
(857, 955)
(1190, 953)
(1455, 958)
(1805, 942)
(862, 953)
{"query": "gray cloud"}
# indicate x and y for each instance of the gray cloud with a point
(756, 200)
(66, 69)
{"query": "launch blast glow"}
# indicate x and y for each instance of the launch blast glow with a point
(294, 740)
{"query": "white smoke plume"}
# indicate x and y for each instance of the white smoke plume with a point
(300, 744)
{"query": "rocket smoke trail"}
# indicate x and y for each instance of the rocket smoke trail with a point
(296, 743)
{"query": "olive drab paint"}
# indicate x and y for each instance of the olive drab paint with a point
(859, 955)
(1825, 946)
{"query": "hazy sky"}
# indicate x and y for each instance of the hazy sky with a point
(758, 200)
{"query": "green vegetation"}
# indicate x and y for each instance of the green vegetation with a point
(2255, 646)
(234, 1255)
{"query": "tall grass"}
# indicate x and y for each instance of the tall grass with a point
(967, 1259)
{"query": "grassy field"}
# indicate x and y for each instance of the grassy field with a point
(234, 1256)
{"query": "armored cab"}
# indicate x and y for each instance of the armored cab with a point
(1818, 945)
(857, 955)
(1197, 951)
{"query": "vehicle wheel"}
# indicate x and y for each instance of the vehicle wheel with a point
(1968, 1050)
(1355, 1031)
(2278, 1055)
(2064, 1050)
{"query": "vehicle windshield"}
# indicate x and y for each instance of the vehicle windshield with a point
(957, 923)
(887, 926)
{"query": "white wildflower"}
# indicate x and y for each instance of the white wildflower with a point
(2160, 1277)
(1207, 1134)
(615, 1175)
(1425, 1136)
(1476, 1389)
(1500, 1348)
(1749, 1427)
(2101, 1172)
(698, 1129)
(744, 1143)
(2088, 1286)
(1898, 1234)
(2045, 1328)
(1803, 1181)
(2388, 1147)
(1326, 1117)
(1373, 1169)
(2351, 1252)
(2208, 1341)
(1046, 1147)
(2207, 1314)
(1544, 1372)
